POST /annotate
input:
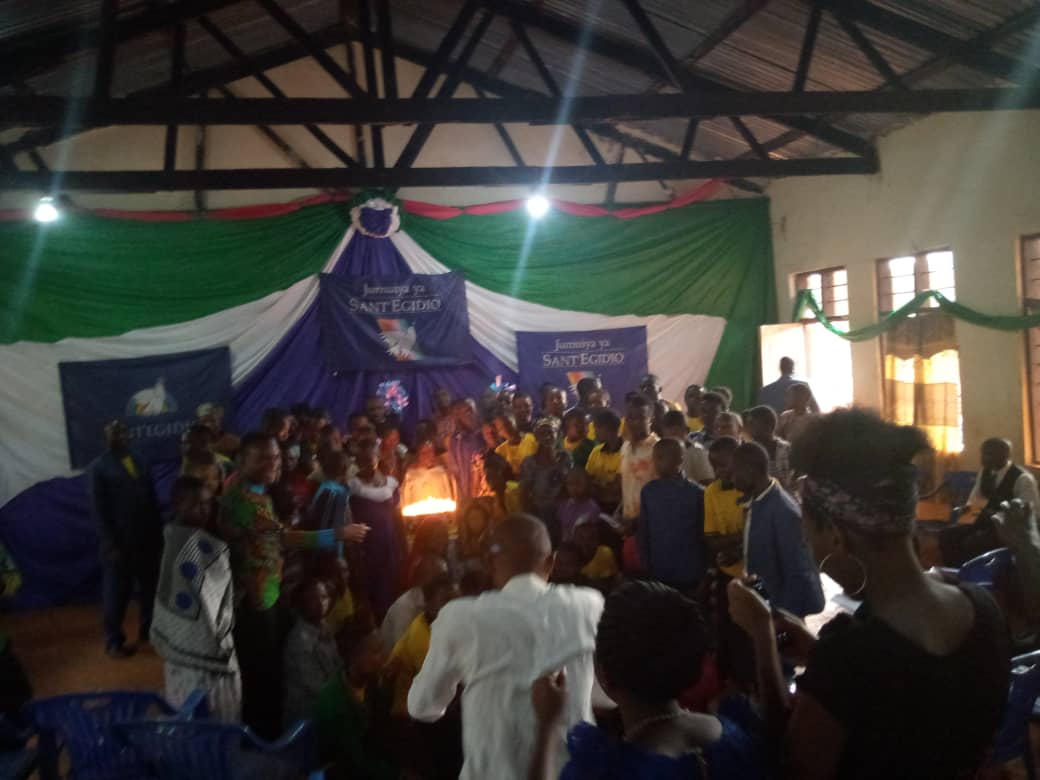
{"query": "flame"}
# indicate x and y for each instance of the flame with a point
(429, 506)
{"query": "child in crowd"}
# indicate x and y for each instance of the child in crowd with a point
(191, 627)
(598, 564)
(409, 604)
(516, 447)
(695, 456)
(205, 467)
(604, 463)
(670, 533)
(311, 658)
(432, 540)
(474, 531)
(408, 654)
(567, 569)
(761, 428)
(391, 451)
(374, 499)
(692, 399)
(637, 457)
(729, 424)
(352, 712)
(336, 576)
(427, 478)
(576, 442)
(523, 410)
(724, 512)
(577, 505)
(489, 432)
(330, 507)
(542, 476)
(799, 412)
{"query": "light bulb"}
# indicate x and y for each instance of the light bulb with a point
(537, 206)
(46, 211)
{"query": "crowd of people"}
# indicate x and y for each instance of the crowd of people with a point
(613, 595)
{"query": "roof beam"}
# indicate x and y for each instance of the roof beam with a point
(876, 58)
(922, 36)
(288, 178)
(733, 22)
(812, 28)
(629, 55)
(41, 50)
(48, 109)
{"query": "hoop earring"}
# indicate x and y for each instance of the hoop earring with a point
(863, 570)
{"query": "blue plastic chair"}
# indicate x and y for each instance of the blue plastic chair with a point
(958, 486)
(209, 750)
(80, 725)
(1012, 741)
(17, 761)
(985, 569)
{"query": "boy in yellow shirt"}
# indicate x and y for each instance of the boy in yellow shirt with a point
(692, 399)
(408, 654)
(723, 512)
(604, 463)
(517, 446)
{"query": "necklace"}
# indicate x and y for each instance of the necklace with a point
(641, 726)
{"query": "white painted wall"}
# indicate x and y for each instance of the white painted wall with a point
(141, 148)
(963, 181)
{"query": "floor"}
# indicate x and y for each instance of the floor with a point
(63, 651)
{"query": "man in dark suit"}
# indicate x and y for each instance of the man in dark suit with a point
(125, 508)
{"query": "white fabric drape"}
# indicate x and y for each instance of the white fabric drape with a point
(680, 347)
(34, 446)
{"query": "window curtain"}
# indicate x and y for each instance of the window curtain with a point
(922, 381)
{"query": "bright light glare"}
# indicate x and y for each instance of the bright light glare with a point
(537, 206)
(46, 211)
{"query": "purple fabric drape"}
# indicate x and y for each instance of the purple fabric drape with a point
(47, 528)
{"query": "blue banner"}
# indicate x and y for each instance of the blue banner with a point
(373, 322)
(156, 397)
(617, 357)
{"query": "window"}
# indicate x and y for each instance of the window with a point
(1031, 302)
(920, 360)
(830, 288)
(901, 278)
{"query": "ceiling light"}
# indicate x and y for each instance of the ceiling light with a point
(537, 206)
(46, 211)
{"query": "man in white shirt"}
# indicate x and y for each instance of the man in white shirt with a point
(999, 480)
(410, 604)
(498, 644)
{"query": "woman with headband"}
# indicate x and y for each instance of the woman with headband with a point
(914, 684)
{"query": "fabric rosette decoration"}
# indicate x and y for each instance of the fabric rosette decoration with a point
(376, 217)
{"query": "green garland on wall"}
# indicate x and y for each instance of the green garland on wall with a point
(806, 300)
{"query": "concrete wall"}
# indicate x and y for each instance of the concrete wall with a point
(141, 148)
(963, 181)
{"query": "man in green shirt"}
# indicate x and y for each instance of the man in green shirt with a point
(256, 539)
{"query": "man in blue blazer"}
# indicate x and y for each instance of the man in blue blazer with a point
(125, 509)
(774, 545)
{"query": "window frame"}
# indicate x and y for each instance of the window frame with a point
(922, 277)
(825, 274)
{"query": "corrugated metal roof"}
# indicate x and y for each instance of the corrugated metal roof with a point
(761, 55)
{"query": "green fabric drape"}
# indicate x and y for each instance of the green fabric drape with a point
(805, 300)
(91, 276)
(707, 258)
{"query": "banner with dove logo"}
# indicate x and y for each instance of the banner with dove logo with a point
(617, 357)
(376, 322)
(156, 397)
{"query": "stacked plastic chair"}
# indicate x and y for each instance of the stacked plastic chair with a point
(1012, 741)
(80, 726)
(193, 750)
